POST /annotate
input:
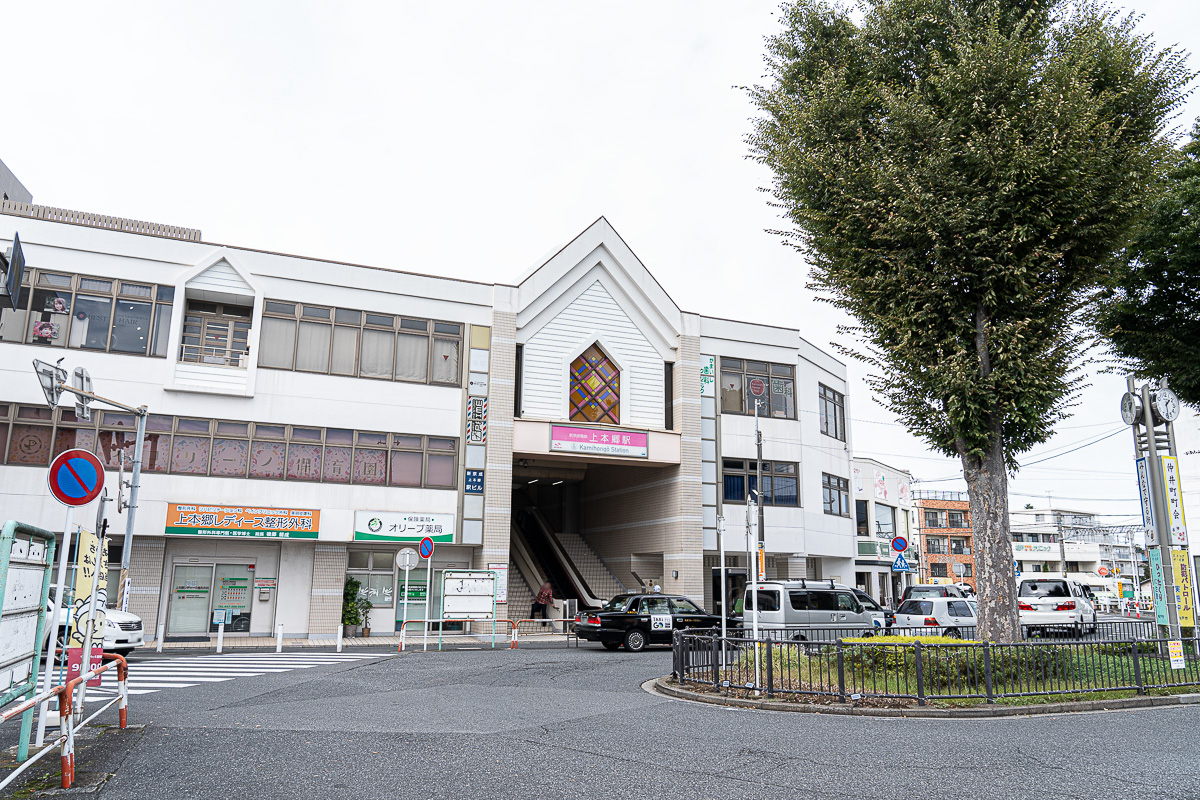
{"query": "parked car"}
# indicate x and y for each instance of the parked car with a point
(122, 631)
(884, 617)
(810, 604)
(639, 620)
(935, 616)
(1045, 603)
(923, 590)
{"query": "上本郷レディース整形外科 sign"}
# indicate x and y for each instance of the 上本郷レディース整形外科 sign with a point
(242, 521)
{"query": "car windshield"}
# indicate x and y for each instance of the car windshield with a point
(618, 603)
(1044, 589)
(916, 607)
(974, 607)
(926, 591)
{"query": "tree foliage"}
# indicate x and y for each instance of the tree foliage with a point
(959, 174)
(1150, 309)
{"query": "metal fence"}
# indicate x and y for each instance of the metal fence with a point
(1101, 630)
(923, 671)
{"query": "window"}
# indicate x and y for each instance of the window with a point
(956, 519)
(959, 546)
(64, 310)
(860, 517)
(595, 394)
(215, 333)
(374, 571)
(779, 384)
(958, 608)
(934, 519)
(885, 521)
(936, 545)
(831, 405)
(229, 449)
(768, 600)
(937, 570)
(345, 341)
(682, 605)
(779, 481)
(966, 570)
(668, 395)
(835, 495)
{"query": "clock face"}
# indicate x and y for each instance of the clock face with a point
(1129, 409)
(1167, 404)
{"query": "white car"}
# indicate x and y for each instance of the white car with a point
(1054, 603)
(934, 616)
(122, 630)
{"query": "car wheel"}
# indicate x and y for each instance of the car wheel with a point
(951, 633)
(635, 641)
(611, 645)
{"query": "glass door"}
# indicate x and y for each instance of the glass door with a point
(191, 592)
(233, 594)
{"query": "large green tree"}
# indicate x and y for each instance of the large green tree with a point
(1150, 309)
(959, 174)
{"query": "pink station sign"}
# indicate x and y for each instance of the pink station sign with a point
(599, 441)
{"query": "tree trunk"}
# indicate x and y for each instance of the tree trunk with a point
(996, 582)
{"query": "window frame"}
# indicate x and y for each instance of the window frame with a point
(785, 469)
(828, 399)
(840, 486)
(768, 371)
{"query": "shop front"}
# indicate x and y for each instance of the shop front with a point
(372, 560)
(224, 562)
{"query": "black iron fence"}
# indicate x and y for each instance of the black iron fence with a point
(1099, 631)
(912, 669)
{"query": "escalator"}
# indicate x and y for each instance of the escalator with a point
(552, 561)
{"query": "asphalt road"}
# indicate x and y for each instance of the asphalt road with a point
(550, 723)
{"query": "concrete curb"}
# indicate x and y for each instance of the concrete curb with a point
(664, 686)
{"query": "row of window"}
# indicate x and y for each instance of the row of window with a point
(32, 435)
(946, 519)
(75, 311)
(885, 520)
(344, 341)
(940, 546)
(942, 569)
(773, 385)
(779, 481)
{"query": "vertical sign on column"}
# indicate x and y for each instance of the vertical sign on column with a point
(1158, 585)
(1143, 473)
(1174, 494)
(91, 573)
(477, 420)
(1183, 588)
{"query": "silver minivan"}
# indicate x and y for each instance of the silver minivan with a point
(804, 603)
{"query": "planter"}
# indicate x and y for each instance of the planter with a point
(350, 631)
(366, 631)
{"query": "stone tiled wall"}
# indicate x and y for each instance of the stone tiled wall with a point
(325, 601)
(146, 580)
(497, 478)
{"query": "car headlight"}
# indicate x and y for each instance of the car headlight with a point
(112, 625)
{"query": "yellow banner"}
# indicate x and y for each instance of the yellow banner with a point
(1183, 588)
(90, 564)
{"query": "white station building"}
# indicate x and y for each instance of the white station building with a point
(309, 418)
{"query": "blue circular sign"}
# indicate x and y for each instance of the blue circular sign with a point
(899, 544)
(76, 477)
(426, 547)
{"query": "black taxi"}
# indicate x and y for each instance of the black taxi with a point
(638, 620)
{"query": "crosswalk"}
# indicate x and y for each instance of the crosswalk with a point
(153, 675)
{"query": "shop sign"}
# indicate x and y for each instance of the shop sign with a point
(708, 376)
(474, 483)
(401, 526)
(264, 583)
(501, 571)
(1170, 466)
(242, 522)
(477, 420)
(1032, 547)
(599, 441)
(1183, 588)
(1175, 651)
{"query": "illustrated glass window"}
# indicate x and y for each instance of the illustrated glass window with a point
(267, 459)
(49, 317)
(304, 462)
(189, 455)
(230, 457)
(595, 388)
(370, 466)
(30, 444)
(406, 468)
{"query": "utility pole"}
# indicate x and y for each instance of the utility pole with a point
(759, 483)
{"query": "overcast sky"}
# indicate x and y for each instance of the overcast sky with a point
(469, 139)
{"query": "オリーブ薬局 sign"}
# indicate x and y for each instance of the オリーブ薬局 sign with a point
(402, 526)
(242, 521)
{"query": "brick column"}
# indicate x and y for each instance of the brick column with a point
(684, 550)
(497, 477)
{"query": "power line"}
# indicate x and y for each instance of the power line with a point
(1080, 447)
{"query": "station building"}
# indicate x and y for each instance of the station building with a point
(309, 418)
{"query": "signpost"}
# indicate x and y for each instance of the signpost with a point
(406, 559)
(426, 551)
(900, 564)
(899, 544)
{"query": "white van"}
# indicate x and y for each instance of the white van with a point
(807, 604)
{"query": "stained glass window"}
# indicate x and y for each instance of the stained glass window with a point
(595, 388)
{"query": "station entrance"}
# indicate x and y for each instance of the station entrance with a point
(594, 530)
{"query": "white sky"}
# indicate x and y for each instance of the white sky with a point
(469, 139)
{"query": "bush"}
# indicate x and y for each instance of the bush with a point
(351, 614)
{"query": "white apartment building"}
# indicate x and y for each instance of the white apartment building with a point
(883, 509)
(1096, 555)
(308, 418)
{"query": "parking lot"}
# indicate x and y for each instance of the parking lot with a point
(542, 722)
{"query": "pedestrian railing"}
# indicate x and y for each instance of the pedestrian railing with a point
(906, 669)
(531, 625)
(1100, 630)
(504, 629)
(70, 720)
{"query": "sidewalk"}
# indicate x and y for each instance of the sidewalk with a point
(413, 640)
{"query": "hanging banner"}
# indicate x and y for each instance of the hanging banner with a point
(1183, 588)
(91, 573)
(708, 376)
(1158, 584)
(1174, 492)
(1143, 474)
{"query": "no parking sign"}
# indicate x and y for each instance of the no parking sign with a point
(76, 477)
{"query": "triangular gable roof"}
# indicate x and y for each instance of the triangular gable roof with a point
(227, 277)
(598, 253)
